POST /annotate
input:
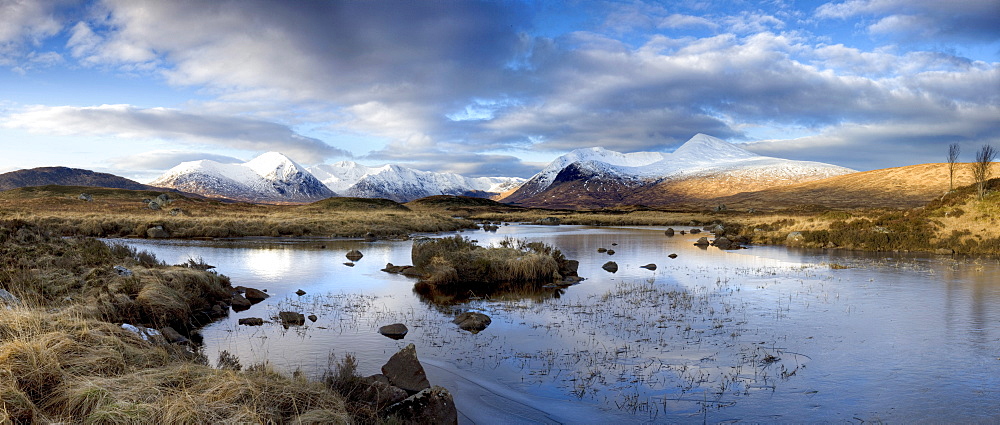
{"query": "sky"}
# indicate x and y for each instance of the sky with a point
(491, 88)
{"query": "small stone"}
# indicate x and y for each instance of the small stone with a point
(649, 266)
(610, 266)
(122, 271)
(240, 302)
(611, 252)
(354, 255)
(394, 331)
(472, 321)
(255, 295)
(251, 321)
(300, 292)
(672, 256)
(312, 317)
(172, 335)
(669, 231)
(291, 318)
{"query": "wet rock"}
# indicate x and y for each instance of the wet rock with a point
(390, 268)
(550, 221)
(86, 197)
(725, 243)
(702, 241)
(683, 232)
(695, 231)
(614, 244)
(122, 271)
(569, 268)
(291, 318)
(380, 392)
(411, 271)
(602, 250)
(240, 302)
(312, 317)
(433, 405)
(217, 311)
(610, 266)
(404, 370)
(669, 231)
(349, 264)
(394, 331)
(472, 321)
(8, 299)
(300, 292)
(649, 266)
(251, 321)
(157, 232)
(172, 335)
(255, 295)
(718, 230)
(354, 255)
(611, 252)
(672, 256)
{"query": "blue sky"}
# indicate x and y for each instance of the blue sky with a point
(496, 88)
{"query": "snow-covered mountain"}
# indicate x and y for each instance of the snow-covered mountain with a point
(271, 177)
(404, 184)
(704, 167)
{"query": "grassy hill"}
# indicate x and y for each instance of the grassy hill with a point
(43, 176)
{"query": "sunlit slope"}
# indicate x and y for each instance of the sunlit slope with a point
(900, 187)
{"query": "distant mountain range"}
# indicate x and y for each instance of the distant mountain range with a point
(703, 168)
(403, 184)
(703, 171)
(65, 176)
(273, 177)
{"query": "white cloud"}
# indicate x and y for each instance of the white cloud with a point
(166, 159)
(24, 25)
(129, 122)
(977, 20)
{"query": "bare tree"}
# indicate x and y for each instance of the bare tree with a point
(981, 168)
(953, 150)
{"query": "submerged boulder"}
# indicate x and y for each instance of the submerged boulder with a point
(291, 318)
(251, 321)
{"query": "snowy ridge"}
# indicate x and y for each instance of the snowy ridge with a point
(271, 177)
(701, 156)
(404, 184)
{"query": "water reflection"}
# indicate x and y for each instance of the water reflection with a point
(710, 335)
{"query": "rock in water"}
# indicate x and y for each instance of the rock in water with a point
(669, 231)
(300, 292)
(240, 303)
(394, 331)
(291, 318)
(251, 321)
(702, 241)
(649, 266)
(672, 256)
(610, 266)
(354, 255)
(472, 321)
(157, 232)
(404, 370)
(433, 405)
(254, 295)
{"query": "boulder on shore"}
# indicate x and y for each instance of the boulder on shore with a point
(434, 405)
(472, 321)
(405, 371)
(240, 302)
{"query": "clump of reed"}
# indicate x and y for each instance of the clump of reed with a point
(458, 264)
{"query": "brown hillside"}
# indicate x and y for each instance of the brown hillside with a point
(900, 187)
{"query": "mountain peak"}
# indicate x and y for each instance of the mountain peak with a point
(274, 164)
(705, 147)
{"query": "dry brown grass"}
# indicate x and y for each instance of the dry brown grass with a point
(120, 213)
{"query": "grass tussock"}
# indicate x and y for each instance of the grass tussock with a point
(457, 264)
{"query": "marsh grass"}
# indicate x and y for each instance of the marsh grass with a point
(65, 358)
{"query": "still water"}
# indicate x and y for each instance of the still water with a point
(765, 334)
